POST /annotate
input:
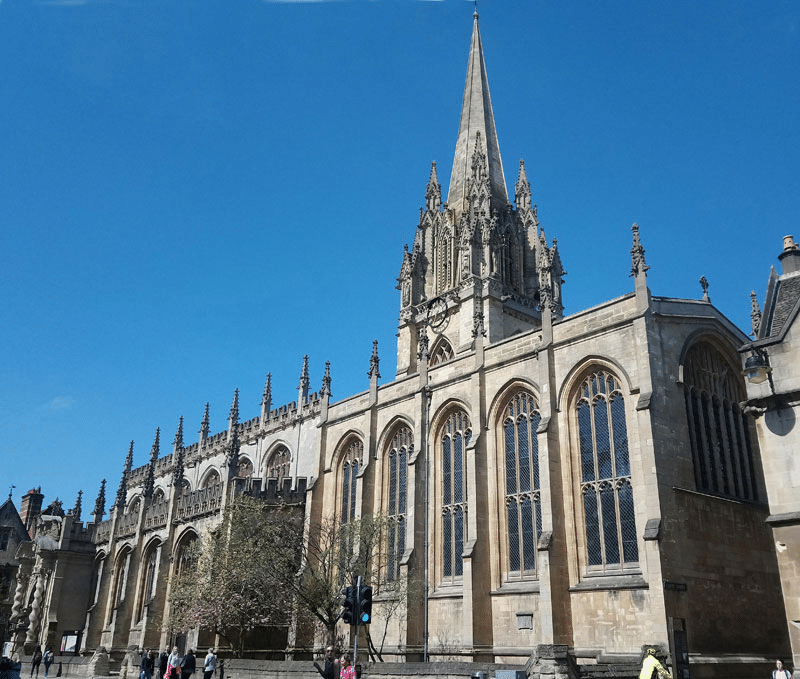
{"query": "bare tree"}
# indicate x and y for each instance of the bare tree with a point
(334, 555)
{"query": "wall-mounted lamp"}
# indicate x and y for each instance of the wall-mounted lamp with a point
(756, 367)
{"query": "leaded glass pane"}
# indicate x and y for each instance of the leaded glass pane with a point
(621, 457)
(391, 556)
(459, 541)
(511, 467)
(528, 536)
(602, 438)
(446, 473)
(458, 468)
(345, 493)
(447, 538)
(587, 444)
(594, 551)
(353, 481)
(524, 456)
(393, 483)
(402, 473)
(630, 548)
(513, 535)
(610, 534)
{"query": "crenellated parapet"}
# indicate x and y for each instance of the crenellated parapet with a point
(200, 502)
(155, 516)
(102, 532)
(273, 492)
(126, 524)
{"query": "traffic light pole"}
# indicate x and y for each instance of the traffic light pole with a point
(357, 612)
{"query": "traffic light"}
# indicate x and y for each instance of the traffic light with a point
(349, 603)
(365, 605)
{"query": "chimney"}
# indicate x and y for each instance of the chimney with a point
(31, 508)
(790, 257)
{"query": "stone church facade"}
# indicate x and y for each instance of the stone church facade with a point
(588, 480)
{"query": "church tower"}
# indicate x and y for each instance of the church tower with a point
(478, 263)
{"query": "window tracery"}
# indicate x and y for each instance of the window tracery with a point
(522, 491)
(455, 437)
(605, 483)
(400, 449)
(718, 431)
(351, 461)
(278, 464)
(441, 352)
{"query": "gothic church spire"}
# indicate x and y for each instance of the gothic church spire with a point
(477, 119)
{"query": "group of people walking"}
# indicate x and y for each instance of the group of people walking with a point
(336, 668)
(172, 665)
(39, 658)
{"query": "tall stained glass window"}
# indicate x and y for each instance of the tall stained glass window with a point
(456, 434)
(400, 449)
(606, 474)
(523, 504)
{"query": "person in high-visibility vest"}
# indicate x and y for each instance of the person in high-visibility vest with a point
(651, 666)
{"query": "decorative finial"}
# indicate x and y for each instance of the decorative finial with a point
(122, 491)
(150, 479)
(637, 254)
(374, 362)
(266, 398)
(233, 417)
(755, 313)
(178, 442)
(100, 503)
(303, 386)
(204, 425)
(11, 491)
(326, 381)
(76, 511)
(704, 285)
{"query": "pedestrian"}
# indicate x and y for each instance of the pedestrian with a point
(331, 670)
(162, 663)
(36, 660)
(209, 664)
(47, 658)
(147, 666)
(347, 671)
(652, 668)
(173, 664)
(188, 665)
(777, 673)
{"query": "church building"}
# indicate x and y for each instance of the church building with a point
(590, 480)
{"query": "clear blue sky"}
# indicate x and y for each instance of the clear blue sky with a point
(193, 194)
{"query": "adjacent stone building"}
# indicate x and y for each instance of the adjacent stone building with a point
(773, 369)
(590, 481)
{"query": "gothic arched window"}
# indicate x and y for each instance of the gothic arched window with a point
(718, 432)
(245, 470)
(454, 439)
(444, 262)
(278, 464)
(351, 461)
(212, 479)
(442, 352)
(149, 577)
(605, 481)
(400, 448)
(523, 503)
